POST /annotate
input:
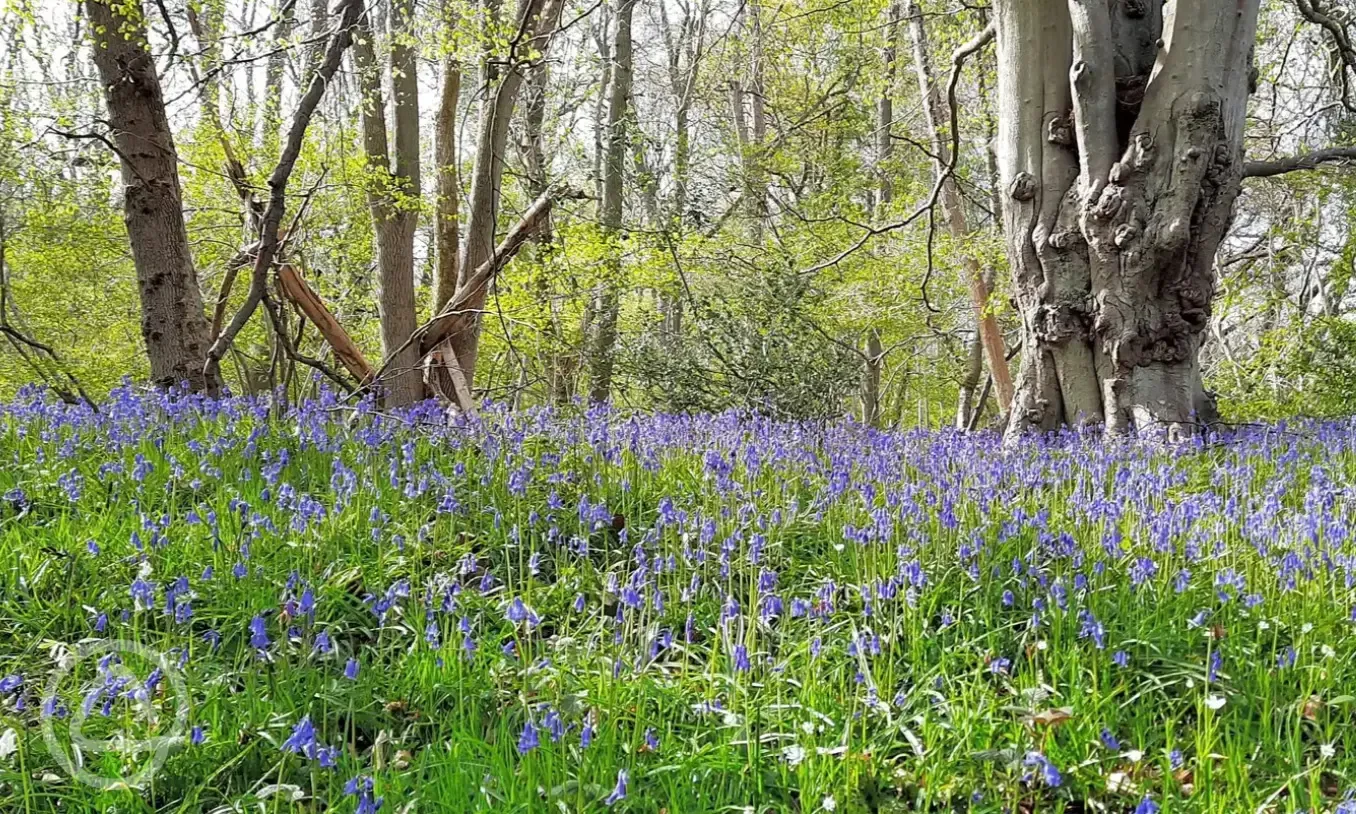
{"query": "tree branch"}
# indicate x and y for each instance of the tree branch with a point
(350, 11)
(456, 315)
(1296, 163)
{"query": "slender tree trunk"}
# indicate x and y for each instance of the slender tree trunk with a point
(614, 170)
(172, 320)
(537, 20)
(270, 112)
(974, 370)
(885, 116)
(937, 116)
(1113, 215)
(315, 54)
(393, 197)
(871, 379)
(446, 233)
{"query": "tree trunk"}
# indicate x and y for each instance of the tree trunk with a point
(446, 231)
(536, 19)
(871, 379)
(974, 369)
(393, 198)
(1113, 214)
(937, 116)
(172, 320)
(270, 112)
(614, 169)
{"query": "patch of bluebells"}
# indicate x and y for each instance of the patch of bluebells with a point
(560, 556)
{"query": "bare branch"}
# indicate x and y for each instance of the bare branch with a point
(351, 11)
(1295, 163)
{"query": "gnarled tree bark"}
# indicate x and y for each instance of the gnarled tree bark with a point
(1120, 155)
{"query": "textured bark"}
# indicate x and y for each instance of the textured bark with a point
(535, 21)
(966, 403)
(990, 336)
(1113, 213)
(874, 359)
(393, 197)
(320, 21)
(447, 229)
(270, 112)
(610, 214)
(173, 324)
(684, 52)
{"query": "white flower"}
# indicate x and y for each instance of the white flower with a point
(793, 754)
(9, 744)
(1134, 756)
(1264, 625)
(1214, 701)
(1327, 651)
(1326, 750)
(829, 803)
(808, 727)
(1306, 627)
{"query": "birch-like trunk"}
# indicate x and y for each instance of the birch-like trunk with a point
(885, 191)
(1120, 156)
(393, 196)
(610, 214)
(173, 324)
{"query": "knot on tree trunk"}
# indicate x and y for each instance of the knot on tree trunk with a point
(1023, 187)
(1063, 321)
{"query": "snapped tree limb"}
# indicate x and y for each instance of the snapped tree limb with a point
(350, 12)
(294, 287)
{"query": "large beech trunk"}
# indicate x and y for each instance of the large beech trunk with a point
(172, 320)
(1120, 156)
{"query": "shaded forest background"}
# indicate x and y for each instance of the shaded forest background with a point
(766, 250)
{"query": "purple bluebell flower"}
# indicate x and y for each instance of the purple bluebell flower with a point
(1148, 806)
(259, 634)
(1047, 772)
(528, 740)
(619, 792)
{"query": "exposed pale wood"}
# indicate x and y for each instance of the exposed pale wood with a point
(294, 286)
